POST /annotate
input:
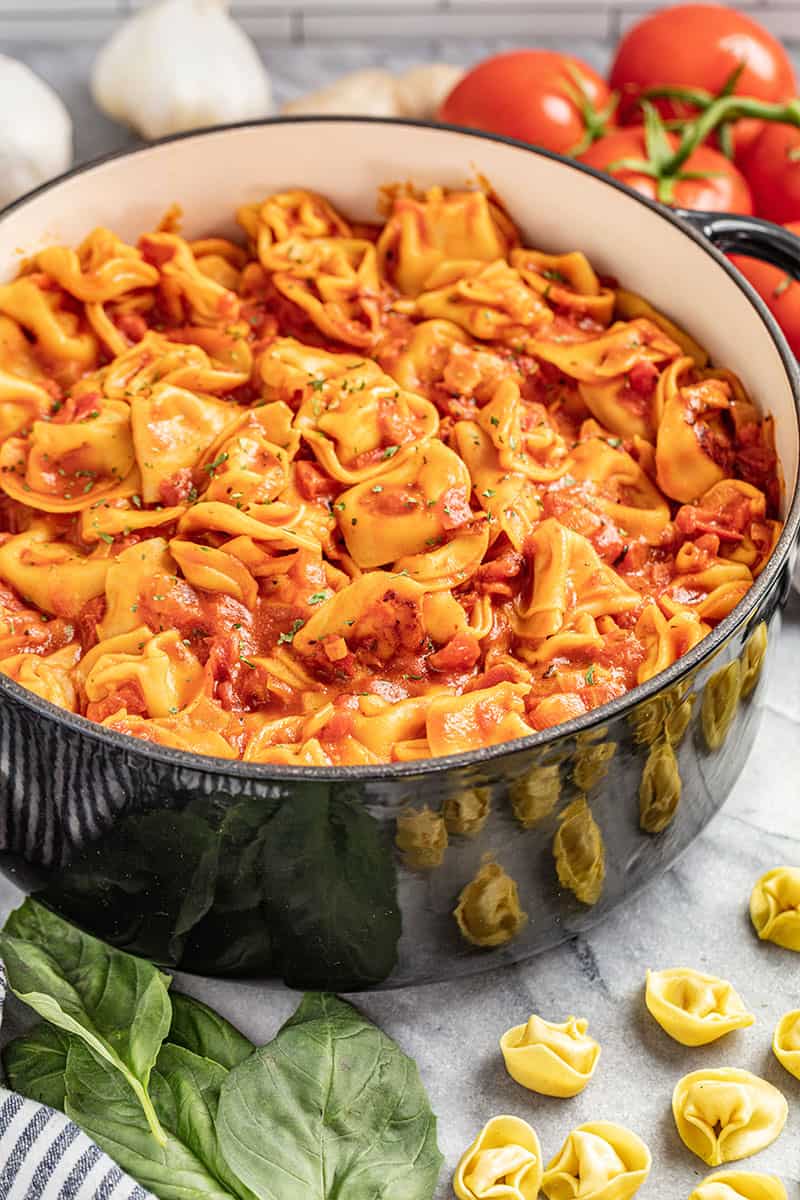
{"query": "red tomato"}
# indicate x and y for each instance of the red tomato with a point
(538, 96)
(779, 291)
(772, 168)
(700, 46)
(723, 190)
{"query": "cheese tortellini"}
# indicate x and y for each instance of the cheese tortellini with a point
(775, 907)
(549, 1058)
(725, 1114)
(693, 1008)
(503, 1161)
(739, 1185)
(488, 912)
(598, 1161)
(786, 1042)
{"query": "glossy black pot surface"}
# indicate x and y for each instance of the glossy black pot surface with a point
(350, 878)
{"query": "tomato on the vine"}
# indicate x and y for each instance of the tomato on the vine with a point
(549, 99)
(772, 168)
(695, 49)
(706, 180)
(779, 291)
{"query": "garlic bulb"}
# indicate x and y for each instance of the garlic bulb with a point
(35, 131)
(178, 65)
(361, 93)
(421, 90)
(374, 92)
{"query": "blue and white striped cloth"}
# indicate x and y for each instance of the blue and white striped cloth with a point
(44, 1156)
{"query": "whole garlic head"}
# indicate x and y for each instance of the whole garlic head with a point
(375, 92)
(35, 131)
(179, 65)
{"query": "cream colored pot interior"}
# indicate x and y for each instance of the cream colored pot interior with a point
(556, 207)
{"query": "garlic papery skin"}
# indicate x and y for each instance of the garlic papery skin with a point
(35, 131)
(421, 90)
(371, 92)
(180, 65)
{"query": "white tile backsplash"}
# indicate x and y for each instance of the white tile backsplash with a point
(339, 20)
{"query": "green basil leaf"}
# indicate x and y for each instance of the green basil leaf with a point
(35, 1064)
(186, 1091)
(119, 1005)
(204, 1032)
(100, 1102)
(330, 1108)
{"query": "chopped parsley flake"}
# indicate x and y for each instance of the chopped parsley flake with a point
(288, 637)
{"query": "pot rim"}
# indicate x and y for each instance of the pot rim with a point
(686, 665)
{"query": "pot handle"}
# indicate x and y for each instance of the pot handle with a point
(735, 234)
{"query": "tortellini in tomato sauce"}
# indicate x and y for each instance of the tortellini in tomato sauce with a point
(725, 1114)
(488, 912)
(775, 907)
(549, 1058)
(786, 1042)
(598, 1161)
(739, 1185)
(693, 1008)
(48, 675)
(579, 852)
(504, 1161)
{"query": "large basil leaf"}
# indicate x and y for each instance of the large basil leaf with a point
(119, 1005)
(186, 1090)
(35, 1064)
(204, 1032)
(98, 1100)
(329, 889)
(330, 1108)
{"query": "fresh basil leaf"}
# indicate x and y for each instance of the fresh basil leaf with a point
(35, 1064)
(100, 1102)
(330, 1108)
(204, 1032)
(186, 1091)
(119, 1005)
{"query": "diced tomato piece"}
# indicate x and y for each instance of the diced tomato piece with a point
(643, 377)
(313, 483)
(459, 654)
(155, 253)
(133, 325)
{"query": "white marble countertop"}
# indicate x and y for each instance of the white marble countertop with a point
(695, 915)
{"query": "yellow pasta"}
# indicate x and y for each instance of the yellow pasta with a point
(739, 1185)
(552, 1059)
(503, 1161)
(693, 1008)
(725, 1114)
(598, 1161)
(786, 1042)
(775, 907)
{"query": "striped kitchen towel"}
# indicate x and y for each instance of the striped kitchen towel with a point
(44, 1156)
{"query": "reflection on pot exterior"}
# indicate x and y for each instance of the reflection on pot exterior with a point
(660, 789)
(466, 813)
(579, 852)
(421, 837)
(535, 795)
(332, 884)
(720, 701)
(488, 912)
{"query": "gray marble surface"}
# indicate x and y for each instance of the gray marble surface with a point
(695, 915)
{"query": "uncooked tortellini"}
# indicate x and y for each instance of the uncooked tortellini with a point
(488, 912)
(503, 1161)
(775, 907)
(786, 1042)
(552, 1059)
(725, 1114)
(598, 1161)
(692, 1008)
(739, 1185)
